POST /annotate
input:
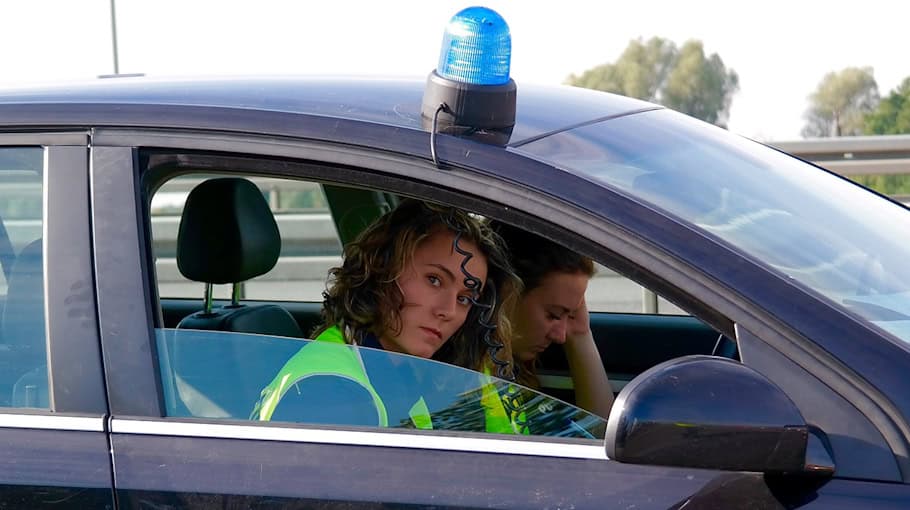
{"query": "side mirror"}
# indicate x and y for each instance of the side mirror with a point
(709, 412)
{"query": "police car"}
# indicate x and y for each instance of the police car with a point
(780, 383)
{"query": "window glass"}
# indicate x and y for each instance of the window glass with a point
(216, 374)
(811, 226)
(23, 358)
(609, 291)
(309, 241)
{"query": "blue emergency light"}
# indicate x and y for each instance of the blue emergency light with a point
(476, 48)
(470, 92)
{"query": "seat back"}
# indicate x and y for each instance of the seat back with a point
(267, 319)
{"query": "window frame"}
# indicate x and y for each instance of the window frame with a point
(72, 432)
(499, 195)
(378, 363)
(75, 384)
(327, 245)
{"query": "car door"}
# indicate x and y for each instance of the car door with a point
(202, 459)
(52, 401)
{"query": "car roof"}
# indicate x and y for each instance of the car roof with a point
(541, 110)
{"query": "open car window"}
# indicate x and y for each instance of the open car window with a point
(216, 374)
(310, 242)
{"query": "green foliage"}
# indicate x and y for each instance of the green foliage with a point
(894, 184)
(892, 117)
(639, 72)
(840, 103)
(700, 86)
(680, 78)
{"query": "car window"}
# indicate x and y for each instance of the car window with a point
(217, 374)
(310, 243)
(609, 291)
(23, 358)
(785, 213)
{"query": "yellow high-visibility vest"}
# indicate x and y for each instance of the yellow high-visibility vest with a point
(329, 354)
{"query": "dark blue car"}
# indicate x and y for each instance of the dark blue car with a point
(769, 372)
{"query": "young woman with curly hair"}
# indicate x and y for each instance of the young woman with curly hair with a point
(424, 280)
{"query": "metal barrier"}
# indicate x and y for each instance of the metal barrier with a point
(854, 155)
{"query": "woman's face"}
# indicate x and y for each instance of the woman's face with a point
(436, 301)
(542, 315)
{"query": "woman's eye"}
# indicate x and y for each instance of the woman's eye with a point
(434, 280)
(552, 317)
(464, 300)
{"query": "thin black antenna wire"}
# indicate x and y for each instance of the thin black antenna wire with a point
(441, 108)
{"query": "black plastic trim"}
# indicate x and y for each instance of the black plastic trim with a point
(124, 304)
(74, 354)
(600, 222)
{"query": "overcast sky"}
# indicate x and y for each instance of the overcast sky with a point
(780, 49)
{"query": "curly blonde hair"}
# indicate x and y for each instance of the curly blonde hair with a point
(362, 297)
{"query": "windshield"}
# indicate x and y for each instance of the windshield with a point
(841, 240)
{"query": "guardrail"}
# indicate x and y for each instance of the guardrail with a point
(855, 155)
(307, 234)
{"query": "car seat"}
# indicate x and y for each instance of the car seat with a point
(227, 234)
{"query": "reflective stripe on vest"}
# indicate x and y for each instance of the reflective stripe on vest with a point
(498, 420)
(327, 355)
(420, 415)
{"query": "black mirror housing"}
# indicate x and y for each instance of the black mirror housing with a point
(707, 412)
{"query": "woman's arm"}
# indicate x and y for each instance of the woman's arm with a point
(592, 388)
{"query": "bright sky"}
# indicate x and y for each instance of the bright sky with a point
(780, 49)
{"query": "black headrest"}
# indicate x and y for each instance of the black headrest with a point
(227, 233)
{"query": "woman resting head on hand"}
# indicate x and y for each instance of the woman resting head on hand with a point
(552, 310)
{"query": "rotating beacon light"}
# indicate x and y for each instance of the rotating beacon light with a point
(470, 92)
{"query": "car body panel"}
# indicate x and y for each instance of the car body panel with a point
(70, 285)
(57, 454)
(845, 375)
(249, 472)
(336, 473)
(390, 102)
(650, 227)
(56, 468)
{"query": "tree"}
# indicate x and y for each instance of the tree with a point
(892, 117)
(840, 103)
(680, 78)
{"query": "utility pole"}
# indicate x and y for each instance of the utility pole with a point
(114, 38)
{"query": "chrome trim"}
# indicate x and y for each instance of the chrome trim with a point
(77, 137)
(393, 439)
(52, 422)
